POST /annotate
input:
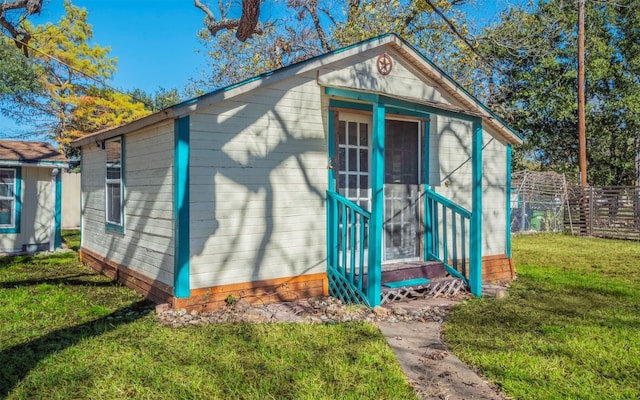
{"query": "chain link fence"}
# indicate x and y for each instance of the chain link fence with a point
(538, 201)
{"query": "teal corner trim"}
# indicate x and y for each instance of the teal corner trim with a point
(374, 275)
(81, 202)
(475, 256)
(331, 142)
(18, 193)
(181, 212)
(57, 243)
(427, 238)
(508, 205)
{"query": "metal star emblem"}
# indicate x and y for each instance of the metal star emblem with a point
(384, 64)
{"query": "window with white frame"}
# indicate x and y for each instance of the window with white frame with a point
(7, 198)
(113, 183)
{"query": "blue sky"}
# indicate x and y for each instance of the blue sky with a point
(155, 41)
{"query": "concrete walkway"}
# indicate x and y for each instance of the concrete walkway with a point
(433, 371)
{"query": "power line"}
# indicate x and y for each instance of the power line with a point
(86, 75)
(459, 35)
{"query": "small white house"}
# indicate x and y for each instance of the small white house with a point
(303, 181)
(30, 196)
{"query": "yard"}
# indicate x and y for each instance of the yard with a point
(570, 327)
(69, 333)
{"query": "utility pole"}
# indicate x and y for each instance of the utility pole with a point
(582, 130)
(585, 213)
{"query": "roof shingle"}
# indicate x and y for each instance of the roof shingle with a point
(14, 150)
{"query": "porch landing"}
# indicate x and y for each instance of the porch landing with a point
(419, 279)
(412, 270)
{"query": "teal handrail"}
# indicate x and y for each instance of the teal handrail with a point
(446, 234)
(347, 241)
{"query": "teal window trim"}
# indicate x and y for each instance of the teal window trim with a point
(367, 107)
(393, 105)
(475, 244)
(181, 211)
(390, 110)
(81, 202)
(111, 225)
(58, 212)
(374, 275)
(352, 95)
(508, 203)
(17, 199)
(350, 105)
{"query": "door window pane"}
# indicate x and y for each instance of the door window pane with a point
(353, 162)
(364, 160)
(353, 159)
(342, 128)
(353, 133)
(364, 134)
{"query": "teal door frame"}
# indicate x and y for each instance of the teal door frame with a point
(380, 106)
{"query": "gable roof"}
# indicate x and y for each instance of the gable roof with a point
(16, 153)
(473, 105)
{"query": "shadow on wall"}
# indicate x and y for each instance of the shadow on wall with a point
(459, 175)
(148, 243)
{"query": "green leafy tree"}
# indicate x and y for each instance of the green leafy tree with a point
(71, 73)
(308, 28)
(18, 77)
(159, 100)
(535, 51)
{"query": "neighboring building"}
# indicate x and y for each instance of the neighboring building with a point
(30, 196)
(70, 200)
(237, 192)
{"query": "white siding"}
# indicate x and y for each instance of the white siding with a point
(146, 246)
(258, 181)
(360, 72)
(450, 175)
(35, 219)
(258, 175)
(70, 200)
(494, 201)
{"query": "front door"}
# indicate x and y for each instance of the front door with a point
(402, 178)
(401, 190)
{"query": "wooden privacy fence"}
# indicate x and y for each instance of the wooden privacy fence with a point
(607, 211)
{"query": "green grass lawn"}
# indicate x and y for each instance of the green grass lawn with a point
(66, 333)
(570, 327)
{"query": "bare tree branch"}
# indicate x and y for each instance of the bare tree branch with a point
(458, 34)
(205, 9)
(20, 36)
(312, 9)
(245, 27)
